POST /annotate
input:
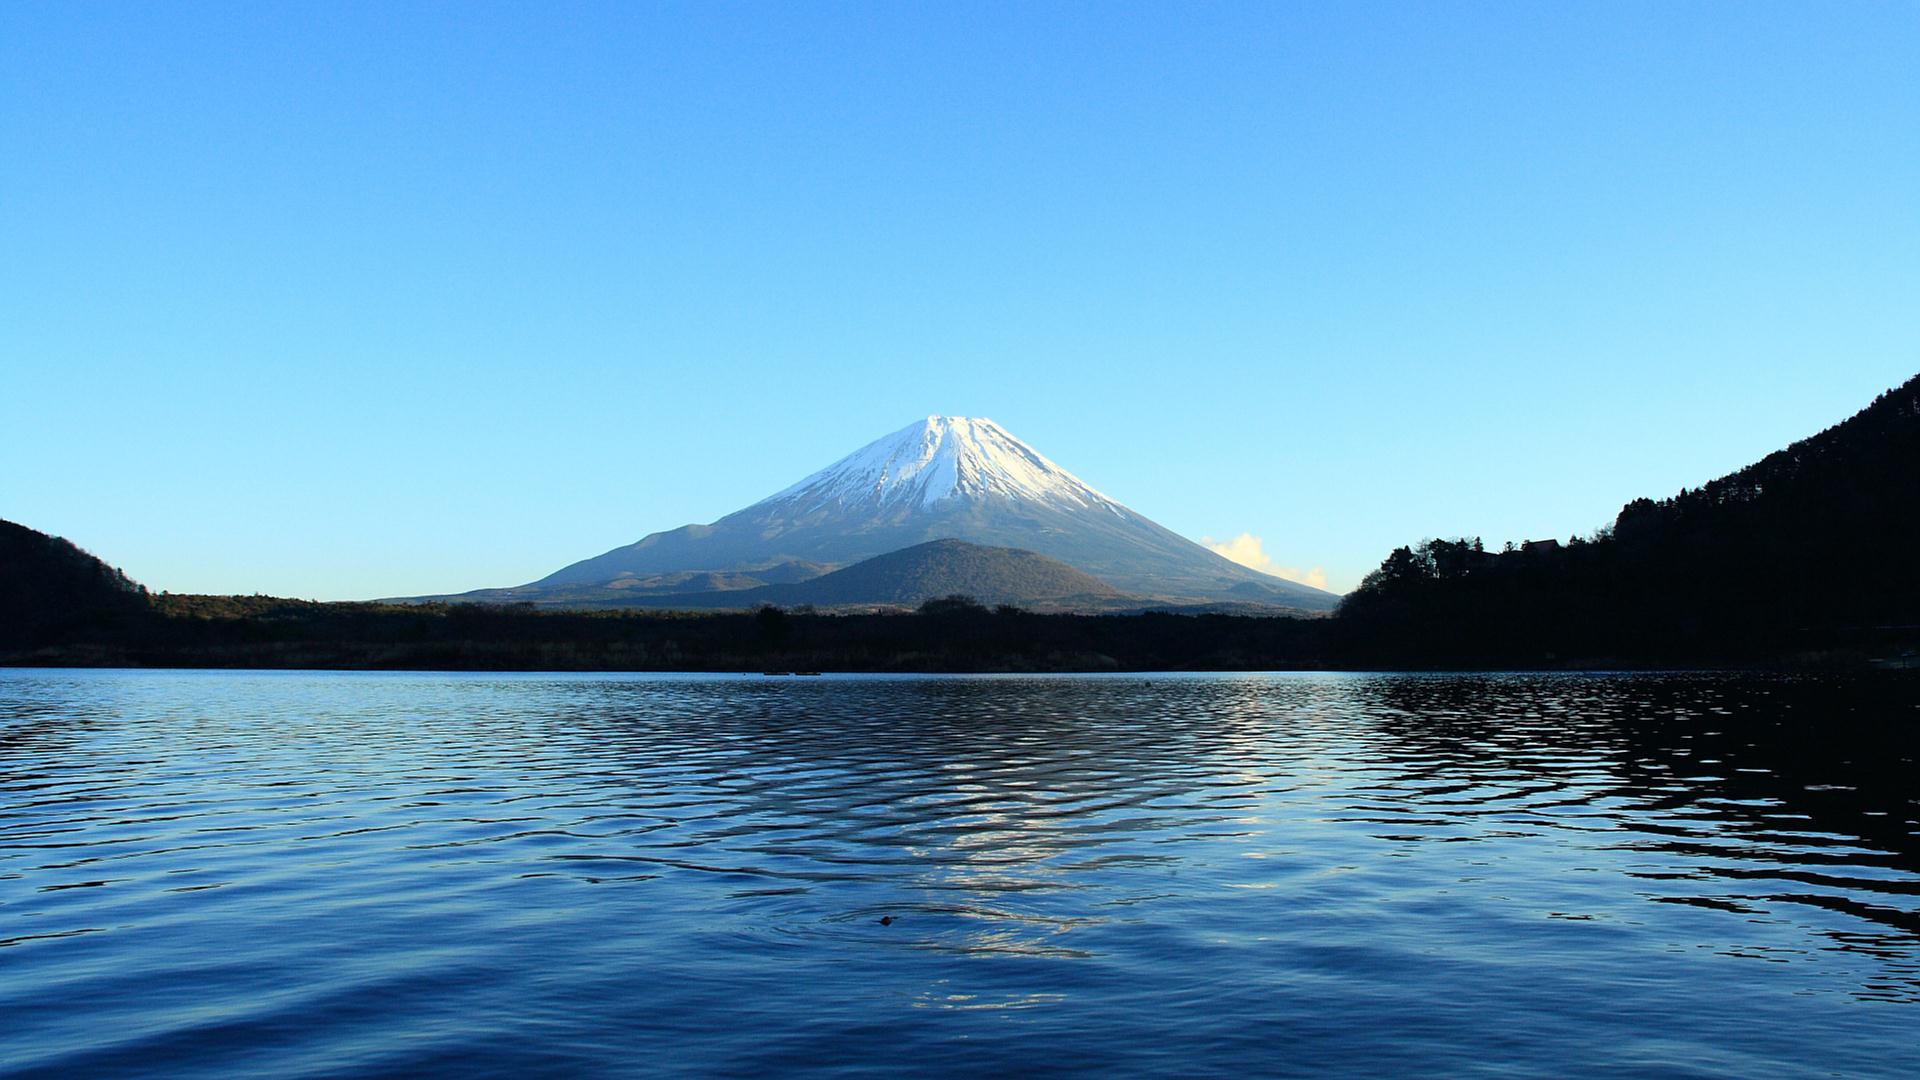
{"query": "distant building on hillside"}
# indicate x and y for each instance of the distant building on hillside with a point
(1540, 547)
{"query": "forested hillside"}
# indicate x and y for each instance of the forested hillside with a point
(48, 586)
(1814, 546)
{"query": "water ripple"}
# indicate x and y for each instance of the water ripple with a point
(322, 874)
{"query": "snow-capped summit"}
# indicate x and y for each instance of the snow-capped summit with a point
(942, 457)
(941, 478)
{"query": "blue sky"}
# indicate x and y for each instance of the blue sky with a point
(341, 300)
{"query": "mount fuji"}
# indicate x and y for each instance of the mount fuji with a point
(942, 478)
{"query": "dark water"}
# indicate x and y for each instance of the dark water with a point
(293, 874)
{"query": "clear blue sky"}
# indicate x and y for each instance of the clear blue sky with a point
(342, 300)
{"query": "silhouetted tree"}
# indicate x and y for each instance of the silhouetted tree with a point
(956, 604)
(773, 625)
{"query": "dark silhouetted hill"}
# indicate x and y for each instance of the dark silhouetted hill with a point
(1811, 548)
(49, 587)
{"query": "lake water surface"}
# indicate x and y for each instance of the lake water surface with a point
(319, 874)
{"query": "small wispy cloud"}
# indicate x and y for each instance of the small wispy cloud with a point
(1246, 550)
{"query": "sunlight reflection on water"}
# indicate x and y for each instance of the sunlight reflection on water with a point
(309, 874)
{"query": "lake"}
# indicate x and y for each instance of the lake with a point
(327, 874)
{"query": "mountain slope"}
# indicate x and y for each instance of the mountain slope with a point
(945, 478)
(46, 582)
(1808, 549)
(927, 571)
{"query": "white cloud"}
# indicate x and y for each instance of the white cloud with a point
(1245, 549)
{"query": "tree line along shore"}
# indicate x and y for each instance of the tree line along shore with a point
(1805, 558)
